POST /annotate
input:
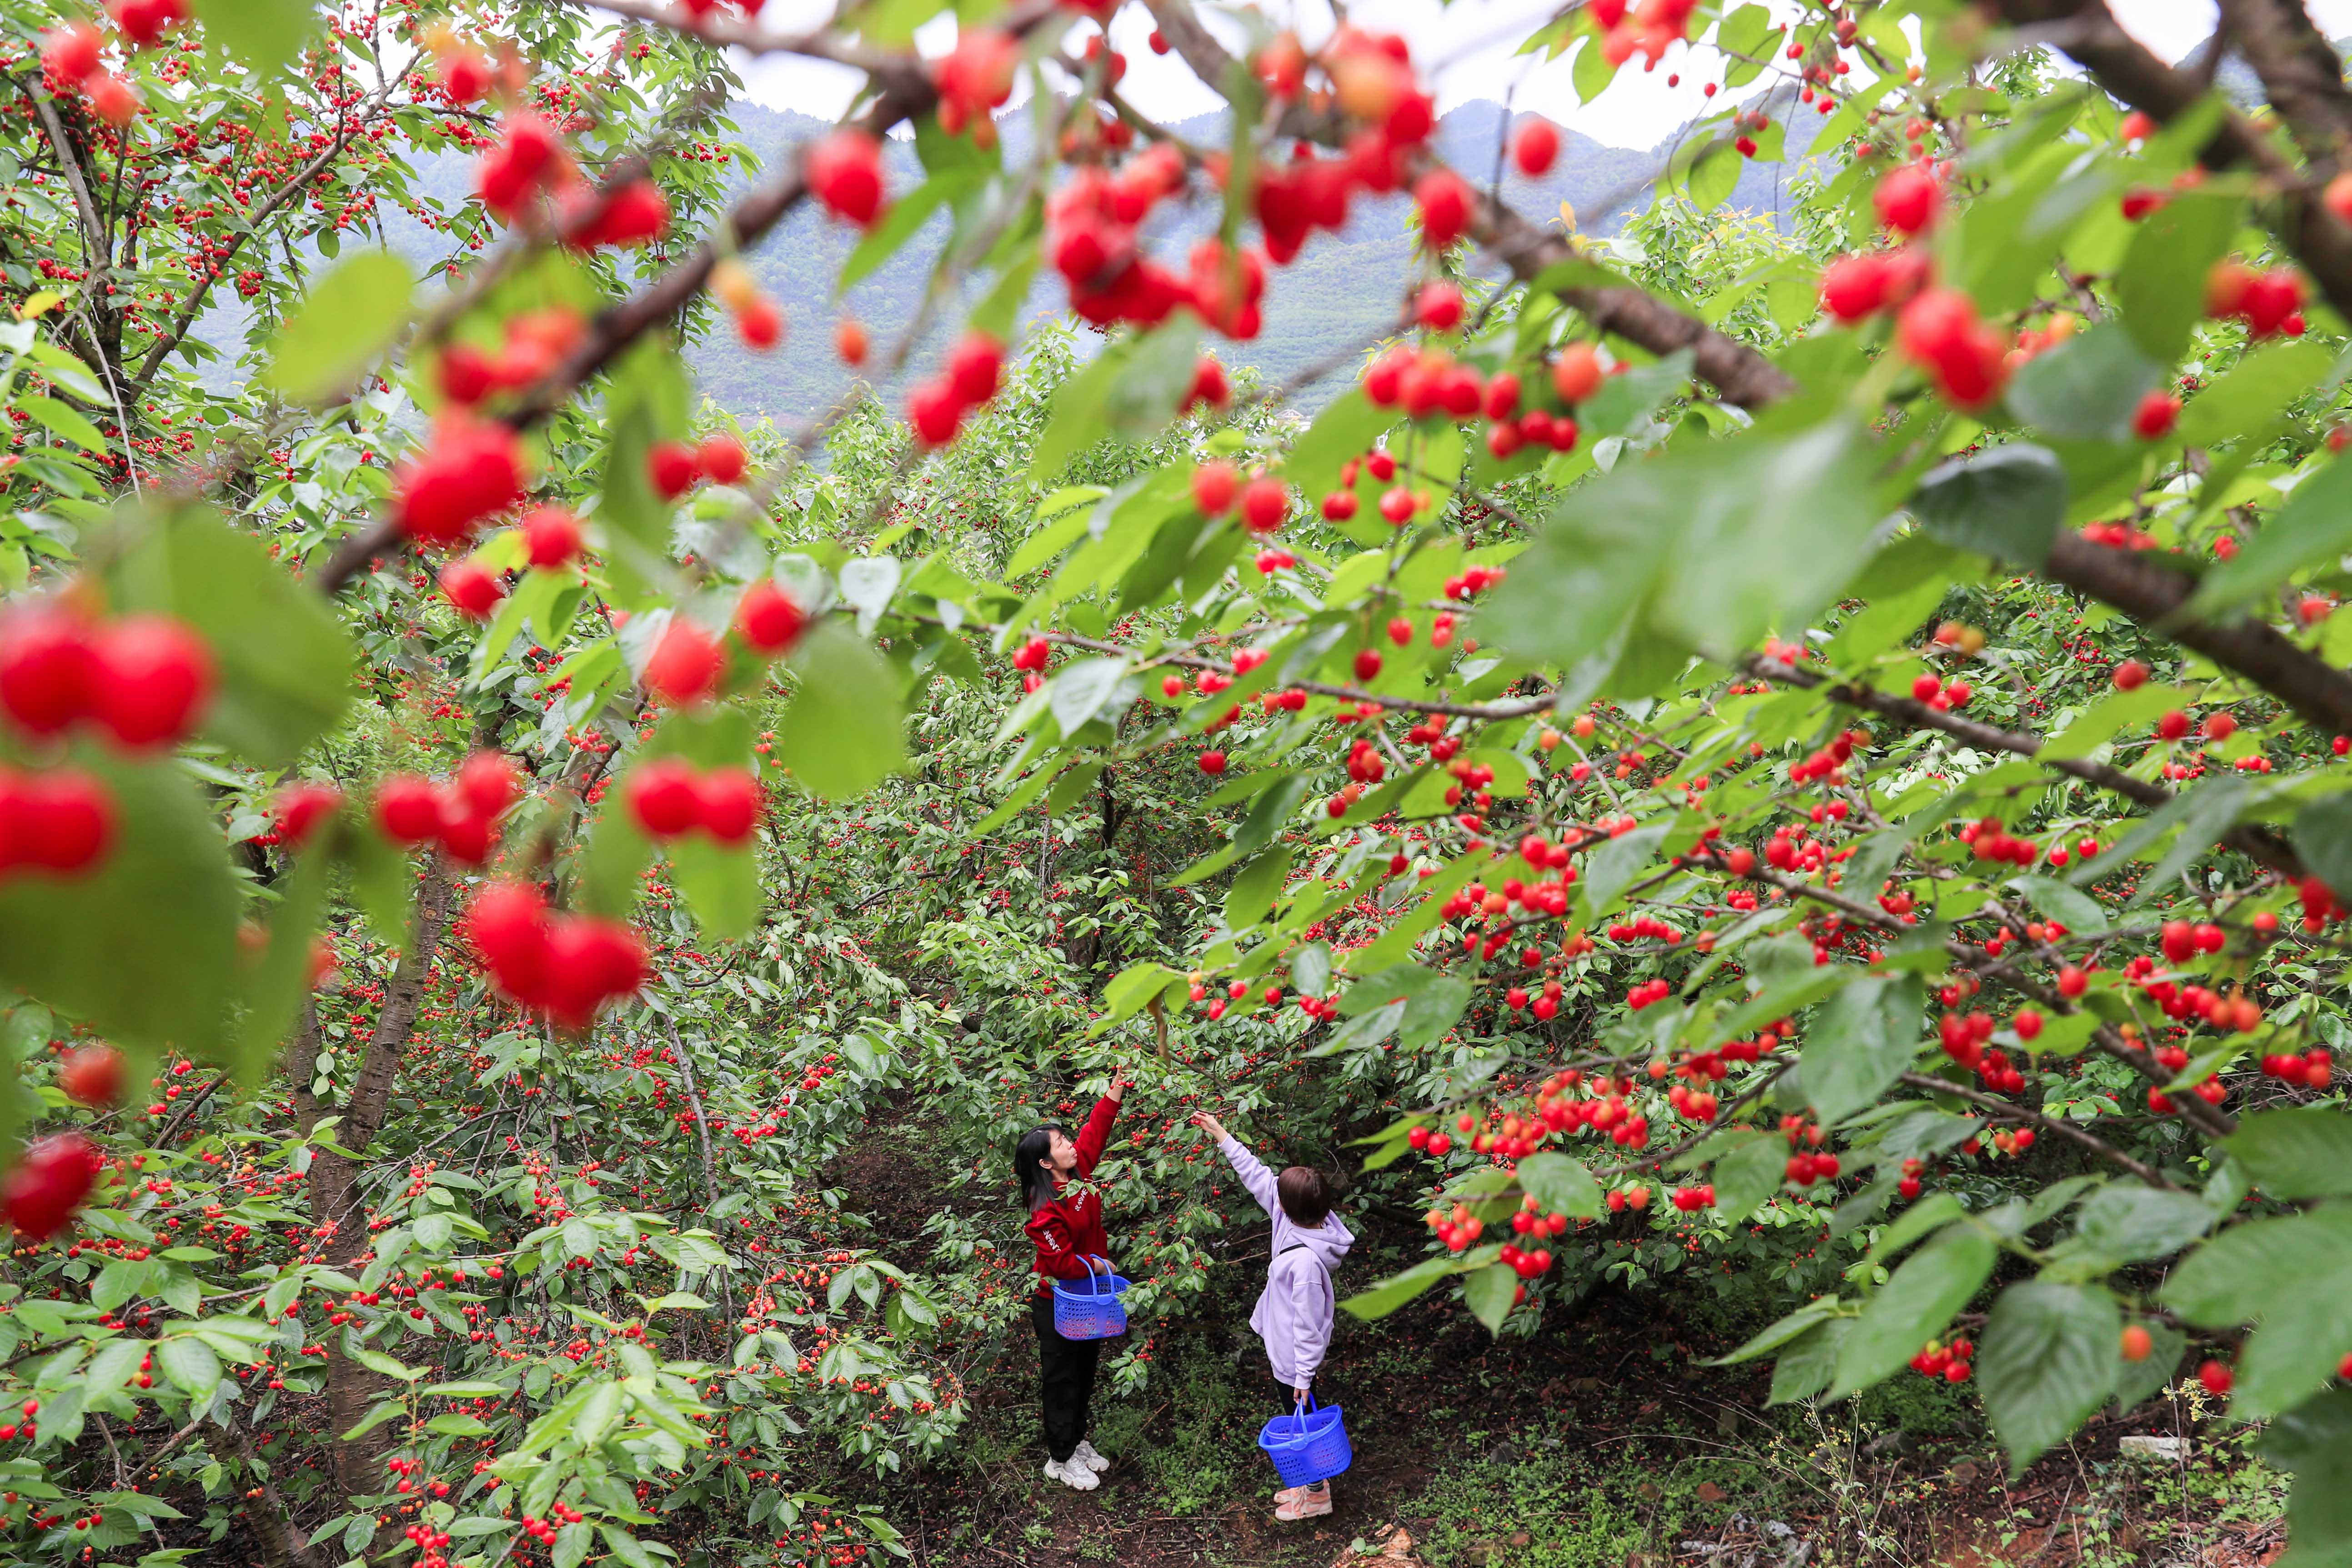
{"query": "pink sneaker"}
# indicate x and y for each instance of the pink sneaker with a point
(1306, 1502)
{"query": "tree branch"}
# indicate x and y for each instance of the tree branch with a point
(2002, 1108)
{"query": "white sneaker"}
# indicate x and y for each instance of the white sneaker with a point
(1088, 1457)
(1073, 1474)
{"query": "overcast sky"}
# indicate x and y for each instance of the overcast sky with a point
(1468, 45)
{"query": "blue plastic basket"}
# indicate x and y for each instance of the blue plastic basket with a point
(1308, 1444)
(1093, 1312)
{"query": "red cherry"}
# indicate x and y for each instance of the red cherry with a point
(2158, 412)
(590, 962)
(466, 375)
(553, 536)
(1576, 374)
(69, 54)
(759, 324)
(1438, 307)
(2216, 1377)
(529, 157)
(40, 1195)
(1445, 204)
(845, 172)
(508, 927)
(49, 670)
(973, 366)
(849, 342)
(1265, 502)
(721, 459)
(729, 803)
(487, 784)
(408, 808)
(934, 411)
(768, 620)
(471, 471)
(92, 1076)
(154, 675)
(1909, 198)
(686, 664)
(111, 98)
(673, 467)
(1212, 763)
(1368, 663)
(1536, 147)
(663, 794)
(637, 214)
(62, 820)
(300, 809)
(1214, 485)
(472, 587)
(2130, 675)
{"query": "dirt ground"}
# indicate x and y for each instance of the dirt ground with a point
(1599, 1443)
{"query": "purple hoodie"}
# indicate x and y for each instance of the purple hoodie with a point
(1292, 1315)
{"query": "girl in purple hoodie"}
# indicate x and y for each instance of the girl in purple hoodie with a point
(1293, 1312)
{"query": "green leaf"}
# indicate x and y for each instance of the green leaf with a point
(1431, 1001)
(2124, 1224)
(1560, 1185)
(1913, 1307)
(2108, 717)
(2293, 1275)
(2006, 502)
(1491, 1293)
(842, 734)
(2076, 910)
(2314, 1442)
(2136, 1382)
(1080, 690)
(2087, 388)
(2295, 1152)
(1154, 380)
(1397, 1289)
(2251, 397)
(2047, 1360)
(145, 947)
(1346, 429)
(2161, 284)
(1708, 546)
(282, 658)
(1255, 887)
(1611, 868)
(1076, 421)
(62, 420)
(1749, 1175)
(264, 34)
(906, 217)
(190, 1364)
(344, 324)
(2313, 529)
(1789, 1327)
(1861, 1042)
(1806, 1366)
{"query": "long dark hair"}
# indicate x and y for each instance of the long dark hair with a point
(1030, 1167)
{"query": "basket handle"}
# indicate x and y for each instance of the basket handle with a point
(1103, 1289)
(1303, 1406)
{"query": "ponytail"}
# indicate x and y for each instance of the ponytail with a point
(1030, 1168)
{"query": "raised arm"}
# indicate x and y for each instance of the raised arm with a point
(1095, 1134)
(1251, 1170)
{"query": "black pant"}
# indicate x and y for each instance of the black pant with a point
(1066, 1381)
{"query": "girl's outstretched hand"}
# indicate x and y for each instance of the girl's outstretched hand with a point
(1120, 1084)
(1209, 1124)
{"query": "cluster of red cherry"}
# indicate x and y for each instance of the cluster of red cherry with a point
(669, 797)
(72, 67)
(140, 681)
(567, 966)
(460, 813)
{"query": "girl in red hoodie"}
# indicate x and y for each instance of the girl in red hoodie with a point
(1067, 1229)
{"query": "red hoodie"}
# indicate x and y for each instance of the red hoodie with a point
(1070, 1229)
